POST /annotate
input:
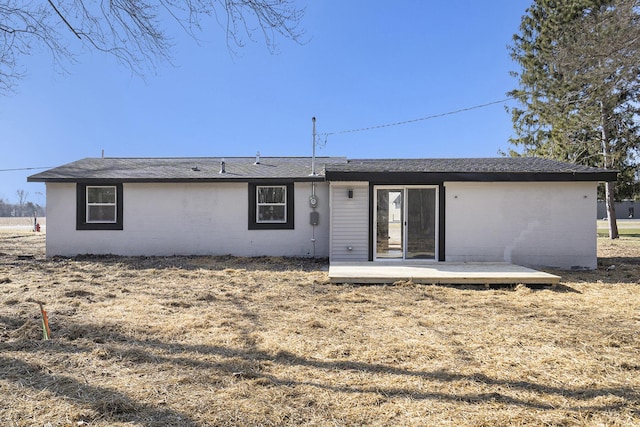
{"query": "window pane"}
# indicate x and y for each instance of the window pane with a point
(421, 223)
(271, 194)
(101, 194)
(271, 214)
(102, 213)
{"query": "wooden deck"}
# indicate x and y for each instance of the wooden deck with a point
(457, 273)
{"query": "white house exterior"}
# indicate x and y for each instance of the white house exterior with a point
(187, 206)
(527, 211)
(187, 219)
(531, 223)
(349, 221)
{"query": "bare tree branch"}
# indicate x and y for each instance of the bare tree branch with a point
(64, 19)
(132, 31)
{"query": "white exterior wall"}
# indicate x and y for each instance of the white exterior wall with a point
(534, 224)
(186, 219)
(349, 221)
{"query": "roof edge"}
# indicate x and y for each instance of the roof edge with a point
(310, 178)
(471, 176)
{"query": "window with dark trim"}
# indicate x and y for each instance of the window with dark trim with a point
(99, 206)
(271, 206)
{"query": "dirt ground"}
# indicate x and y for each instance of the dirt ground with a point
(216, 341)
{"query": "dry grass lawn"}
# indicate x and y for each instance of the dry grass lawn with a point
(211, 341)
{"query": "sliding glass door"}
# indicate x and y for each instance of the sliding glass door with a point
(406, 223)
(389, 224)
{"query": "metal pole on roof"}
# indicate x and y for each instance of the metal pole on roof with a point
(313, 156)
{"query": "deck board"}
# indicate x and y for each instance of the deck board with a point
(477, 273)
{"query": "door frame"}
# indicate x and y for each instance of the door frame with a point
(404, 228)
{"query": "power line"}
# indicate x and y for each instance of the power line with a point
(25, 169)
(326, 134)
(419, 119)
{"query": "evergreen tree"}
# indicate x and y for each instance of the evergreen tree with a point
(580, 87)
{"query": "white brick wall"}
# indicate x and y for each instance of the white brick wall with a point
(533, 224)
(188, 219)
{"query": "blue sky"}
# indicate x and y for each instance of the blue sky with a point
(364, 63)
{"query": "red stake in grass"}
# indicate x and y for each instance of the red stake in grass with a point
(46, 332)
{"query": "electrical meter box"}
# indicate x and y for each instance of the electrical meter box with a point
(313, 202)
(314, 218)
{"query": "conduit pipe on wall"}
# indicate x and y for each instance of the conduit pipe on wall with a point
(313, 201)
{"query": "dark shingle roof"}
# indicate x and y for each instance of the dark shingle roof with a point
(470, 169)
(185, 169)
(333, 168)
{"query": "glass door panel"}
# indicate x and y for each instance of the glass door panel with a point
(389, 223)
(421, 223)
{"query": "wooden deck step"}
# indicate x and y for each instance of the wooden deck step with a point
(477, 273)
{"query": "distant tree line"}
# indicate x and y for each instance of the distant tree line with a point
(23, 208)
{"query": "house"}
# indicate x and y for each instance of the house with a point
(528, 211)
(625, 209)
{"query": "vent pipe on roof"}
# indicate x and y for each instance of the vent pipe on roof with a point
(313, 155)
(103, 153)
(257, 158)
(222, 167)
